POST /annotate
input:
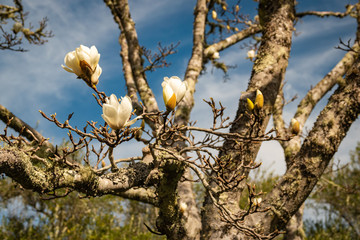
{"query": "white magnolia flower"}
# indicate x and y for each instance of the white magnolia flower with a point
(117, 114)
(173, 91)
(251, 54)
(84, 63)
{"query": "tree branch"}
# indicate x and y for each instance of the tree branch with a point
(120, 10)
(20, 126)
(277, 18)
(195, 64)
(231, 40)
(17, 165)
(314, 95)
(124, 53)
(322, 14)
(317, 150)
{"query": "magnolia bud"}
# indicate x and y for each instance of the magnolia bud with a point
(295, 126)
(216, 55)
(251, 54)
(214, 14)
(183, 207)
(26, 31)
(259, 100)
(17, 27)
(250, 105)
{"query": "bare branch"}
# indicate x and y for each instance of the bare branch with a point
(157, 60)
(20, 126)
(9, 40)
(349, 9)
(314, 95)
(231, 40)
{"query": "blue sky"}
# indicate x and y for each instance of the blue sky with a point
(35, 80)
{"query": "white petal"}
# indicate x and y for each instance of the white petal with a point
(178, 87)
(110, 115)
(124, 110)
(67, 69)
(128, 123)
(167, 92)
(165, 82)
(180, 92)
(94, 57)
(113, 101)
(109, 122)
(85, 49)
(83, 53)
(109, 111)
(72, 62)
(95, 76)
(175, 83)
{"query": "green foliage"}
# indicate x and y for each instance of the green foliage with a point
(338, 195)
(72, 217)
(331, 230)
(27, 215)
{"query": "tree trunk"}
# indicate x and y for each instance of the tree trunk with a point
(277, 19)
(294, 228)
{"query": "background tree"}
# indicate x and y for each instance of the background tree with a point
(337, 193)
(222, 157)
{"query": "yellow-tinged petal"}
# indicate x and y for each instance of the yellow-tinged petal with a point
(259, 100)
(169, 98)
(171, 104)
(250, 105)
(173, 90)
